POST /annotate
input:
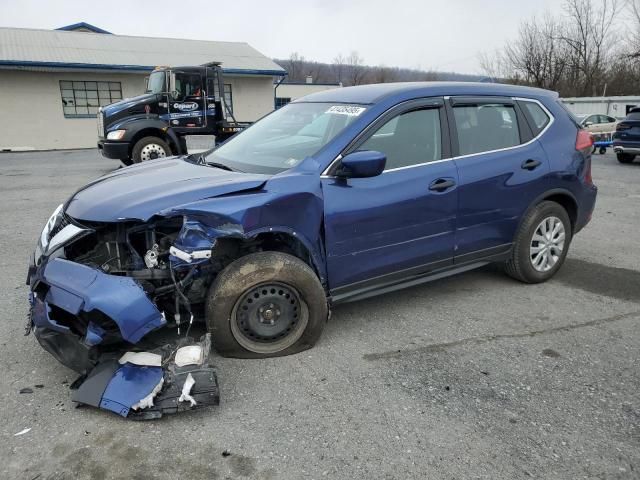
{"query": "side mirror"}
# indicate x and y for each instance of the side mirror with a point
(588, 124)
(362, 164)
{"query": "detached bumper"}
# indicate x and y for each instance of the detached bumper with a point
(115, 150)
(75, 308)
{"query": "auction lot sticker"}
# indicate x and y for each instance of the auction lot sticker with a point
(348, 110)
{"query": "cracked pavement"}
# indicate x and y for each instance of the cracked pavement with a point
(475, 376)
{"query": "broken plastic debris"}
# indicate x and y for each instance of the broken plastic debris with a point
(147, 401)
(22, 432)
(143, 359)
(190, 355)
(186, 390)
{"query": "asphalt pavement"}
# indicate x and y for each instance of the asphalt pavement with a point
(471, 377)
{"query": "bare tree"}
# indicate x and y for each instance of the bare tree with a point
(633, 8)
(354, 71)
(589, 37)
(538, 56)
(338, 67)
(294, 66)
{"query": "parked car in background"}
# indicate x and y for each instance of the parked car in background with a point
(338, 196)
(626, 139)
(599, 124)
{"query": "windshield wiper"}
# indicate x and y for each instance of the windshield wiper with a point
(201, 159)
(220, 165)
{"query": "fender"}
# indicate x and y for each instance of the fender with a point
(541, 197)
(317, 256)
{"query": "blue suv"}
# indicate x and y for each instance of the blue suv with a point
(626, 139)
(339, 196)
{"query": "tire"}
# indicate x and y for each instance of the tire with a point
(625, 157)
(149, 148)
(521, 264)
(261, 288)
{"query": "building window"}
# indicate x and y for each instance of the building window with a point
(281, 101)
(82, 99)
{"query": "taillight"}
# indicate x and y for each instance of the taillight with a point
(584, 140)
(622, 126)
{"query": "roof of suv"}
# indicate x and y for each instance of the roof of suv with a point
(368, 94)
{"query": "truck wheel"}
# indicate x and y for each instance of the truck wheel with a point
(266, 304)
(149, 148)
(625, 157)
(541, 244)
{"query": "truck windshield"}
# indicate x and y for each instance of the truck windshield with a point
(156, 83)
(284, 138)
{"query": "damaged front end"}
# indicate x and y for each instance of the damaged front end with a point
(98, 289)
(95, 285)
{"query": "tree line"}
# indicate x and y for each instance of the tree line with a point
(592, 49)
(351, 70)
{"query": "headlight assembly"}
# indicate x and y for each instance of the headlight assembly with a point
(116, 135)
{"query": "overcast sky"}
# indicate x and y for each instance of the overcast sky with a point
(444, 35)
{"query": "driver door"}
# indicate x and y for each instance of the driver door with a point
(399, 224)
(187, 105)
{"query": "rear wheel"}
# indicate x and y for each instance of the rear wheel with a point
(541, 244)
(150, 148)
(625, 157)
(265, 304)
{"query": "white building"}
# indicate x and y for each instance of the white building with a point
(40, 68)
(617, 107)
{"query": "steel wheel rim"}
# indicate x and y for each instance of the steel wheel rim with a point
(151, 152)
(547, 244)
(262, 332)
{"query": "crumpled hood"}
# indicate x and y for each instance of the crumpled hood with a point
(141, 191)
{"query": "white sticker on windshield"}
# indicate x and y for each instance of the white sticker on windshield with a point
(346, 110)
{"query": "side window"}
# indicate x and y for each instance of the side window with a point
(537, 116)
(610, 119)
(189, 85)
(408, 139)
(483, 128)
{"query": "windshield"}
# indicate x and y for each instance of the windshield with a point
(284, 138)
(156, 82)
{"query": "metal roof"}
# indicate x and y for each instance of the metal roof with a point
(29, 48)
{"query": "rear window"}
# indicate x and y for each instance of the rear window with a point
(487, 127)
(537, 117)
(633, 116)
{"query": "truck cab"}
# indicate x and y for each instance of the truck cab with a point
(178, 101)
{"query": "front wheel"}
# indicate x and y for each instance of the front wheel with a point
(265, 304)
(149, 148)
(541, 243)
(625, 157)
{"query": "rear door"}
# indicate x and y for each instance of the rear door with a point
(501, 169)
(402, 222)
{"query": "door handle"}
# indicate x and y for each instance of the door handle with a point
(441, 184)
(531, 164)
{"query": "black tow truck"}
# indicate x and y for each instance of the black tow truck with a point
(178, 101)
